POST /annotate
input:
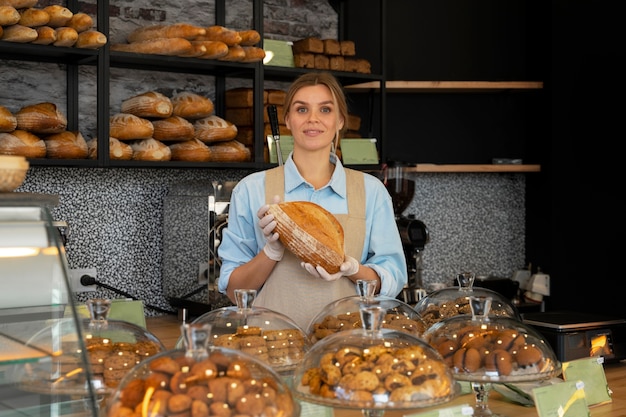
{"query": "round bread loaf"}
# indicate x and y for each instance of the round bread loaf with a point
(117, 149)
(126, 126)
(214, 129)
(311, 232)
(42, 118)
(8, 122)
(150, 104)
(22, 143)
(190, 150)
(150, 150)
(192, 106)
(173, 128)
(66, 145)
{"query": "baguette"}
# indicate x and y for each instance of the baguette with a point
(9, 15)
(151, 104)
(19, 4)
(158, 46)
(43, 118)
(19, 33)
(59, 15)
(214, 49)
(253, 54)
(196, 51)
(66, 145)
(33, 17)
(8, 122)
(176, 30)
(235, 53)
(45, 35)
(173, 128)
(311, 232)
(118, 150)
(90, 39)
(249, 37)
(191, 151)
(220, 33)
(66, 36)
(214, 129)
(126, 126)
(80, 22)
(192, 106)
(22, 143)
(150, 150)
(229, 151)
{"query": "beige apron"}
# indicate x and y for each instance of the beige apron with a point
(291, 290)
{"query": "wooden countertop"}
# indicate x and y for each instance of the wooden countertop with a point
(167, 329)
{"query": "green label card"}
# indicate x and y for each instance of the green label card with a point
(591, 372)
(565, 399)
(278, 53)
(359, 152)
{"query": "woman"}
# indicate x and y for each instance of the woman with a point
(251, 254)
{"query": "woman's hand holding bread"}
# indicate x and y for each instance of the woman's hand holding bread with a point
(274, 249)
(350, 266)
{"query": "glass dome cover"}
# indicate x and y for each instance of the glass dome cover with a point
(266, 334)
(373, 368)
(454, 301)
(344, 314)
(113, 348)
(202, 380)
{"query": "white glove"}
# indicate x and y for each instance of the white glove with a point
(273, 248)
(350, 266)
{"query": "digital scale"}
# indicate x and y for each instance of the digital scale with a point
(575, 335)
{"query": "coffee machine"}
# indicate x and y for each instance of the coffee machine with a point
(413, 232)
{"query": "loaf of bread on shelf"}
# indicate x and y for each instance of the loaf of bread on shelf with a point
(196, 51)
(190, 151)
(90, 39)
(157, 46)
(150, 150)
(220, 33)
(236, 53)
(8, 122)
(9, 15)
(80, 22)
(308, 45)
(118, 150)
(214, 49)
(311, 232)
(253, 54)
(66, 145)
(347, 48)
(241, 97)
(214, 129)
(304, 60)
(126, 126)
(173, 128)
(332, 47)
(191, 106)
(19, 4)
(249, 37)
(229, 151)
(66, 36)
(59, 15)
(46, 35)
(19, 34)
(150, 104)
(177, 30)
(22, 143)
(33, 17)
(41, 118)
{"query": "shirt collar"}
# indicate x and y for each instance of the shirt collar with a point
(293, 179)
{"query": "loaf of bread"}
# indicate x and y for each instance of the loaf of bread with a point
(8, 122)
(214, 129)
(236, 53)
(173, 128)
(80, 22)
(253, 54)
(9, 15)
(150, 150)
(59, 15)
(157, 46)
(33, 17)
(191, 151)
(22, 143)
(66, 145)
(241, 97)
(336, 63)
(332, 47)
(311, 232)
(42, 118)
(347, 48)
(304, 60)
(126, 126)
(118, 150)
(19, 34)
(150, 104)
(249, 37)
(197, 50)
(220, 33)
(19, 4)
(66, 36)
(229, 151)
(308, 45)
(213, 49)
(275, 96)
(45, 35)
(90, 39)
(177, 30)
(191, 106)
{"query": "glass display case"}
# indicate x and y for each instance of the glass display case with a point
(34, 297)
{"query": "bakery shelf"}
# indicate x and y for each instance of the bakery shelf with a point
(467, 168)
(446, 86)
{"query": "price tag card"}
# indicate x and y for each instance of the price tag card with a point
(455, 411)
(359, 151)
(591, 372)
(565, 399)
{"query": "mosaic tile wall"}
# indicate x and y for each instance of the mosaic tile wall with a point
(117, 221)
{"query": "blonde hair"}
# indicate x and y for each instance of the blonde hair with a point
(336, 90)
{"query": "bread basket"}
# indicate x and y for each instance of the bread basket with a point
(13, 171)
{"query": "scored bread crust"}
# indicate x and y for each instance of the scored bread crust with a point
(310, 232)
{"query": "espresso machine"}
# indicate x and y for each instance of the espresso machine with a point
(413, 232)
